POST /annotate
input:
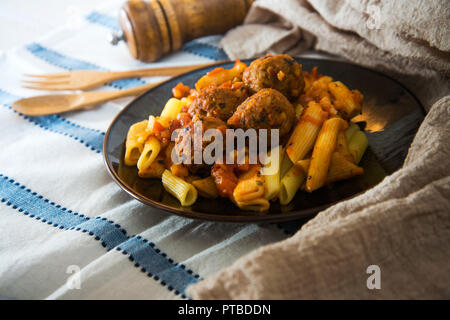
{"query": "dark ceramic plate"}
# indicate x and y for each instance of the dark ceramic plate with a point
(391, 116)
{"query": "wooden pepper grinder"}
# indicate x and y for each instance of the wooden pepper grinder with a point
(154, 28)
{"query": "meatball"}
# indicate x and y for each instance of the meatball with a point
(218, 102)
(280, 72)
(184, 143)
(267, 109)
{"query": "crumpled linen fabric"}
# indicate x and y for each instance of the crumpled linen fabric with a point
(402, 226)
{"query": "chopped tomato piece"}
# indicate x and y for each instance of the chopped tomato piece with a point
(180, 91)
(225, 179)
(157, 127)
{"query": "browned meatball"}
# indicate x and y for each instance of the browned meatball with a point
(266, 109)
(218, 102)
(280, 72)
(185, 142)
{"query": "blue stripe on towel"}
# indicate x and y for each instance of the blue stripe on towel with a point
(104, 20)
(143, 253)
(194, 47)
(157, 265)
(205, 50)
(36, 206)
(57, 59)
(91, 138)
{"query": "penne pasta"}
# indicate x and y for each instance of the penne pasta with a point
(321, 156)
(168, 154)
(259, 204)
(351, 130)
(206, 187)
(358, 145)
(155, 124)
(134, 145)
(250, 186)
(342, 146)
(304, 164)
(272, 180)
(327, 106)
(172, 109)
(286, 164)
(272, 186)
(220, 75)
(305, 133)
(154, 171)
(149, 154)
(151, 123)
(290, 183)
(180, 189)
(346, 101)
(340, 168)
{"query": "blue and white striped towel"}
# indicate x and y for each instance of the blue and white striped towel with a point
(60, 211)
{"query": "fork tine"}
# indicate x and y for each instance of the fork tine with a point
(47, 87)
(46, 82)
(48, 76)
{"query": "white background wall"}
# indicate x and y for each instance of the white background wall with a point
(23, 21)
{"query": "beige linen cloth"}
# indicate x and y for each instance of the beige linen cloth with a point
(403, 224)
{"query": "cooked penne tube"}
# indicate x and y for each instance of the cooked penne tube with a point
(206, 187)
(250, 186)
(290, 183)
(321, 156)
(149, 154)
(351, 130)
(151, 123)
(259, 204)
(172, 109)
(305, 133)
(358, 145)
(346, 101)
(180, 189)
(272, 175)
(327, 106)
(286, 164)
(134, 145)
(341, 169)
(220, 75)
(342, 146)
(272, 186)
(168, 154)
(155, 170)
(304, 164)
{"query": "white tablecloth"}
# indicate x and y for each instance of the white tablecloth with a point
(67, 231)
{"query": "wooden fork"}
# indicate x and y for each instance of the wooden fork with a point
(87, 79)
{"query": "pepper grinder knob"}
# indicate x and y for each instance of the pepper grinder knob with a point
(115, 37)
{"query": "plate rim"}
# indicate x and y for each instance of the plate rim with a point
(281, 217)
